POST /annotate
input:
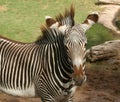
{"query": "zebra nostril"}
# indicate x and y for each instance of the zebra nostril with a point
(79, 81)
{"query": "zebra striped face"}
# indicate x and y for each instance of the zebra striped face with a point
(75, 42)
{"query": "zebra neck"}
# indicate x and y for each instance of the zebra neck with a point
(65, 65)
(55, 61)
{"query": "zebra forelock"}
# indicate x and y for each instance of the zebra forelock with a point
(67, 18)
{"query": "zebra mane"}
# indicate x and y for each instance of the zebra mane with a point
(67, 18)
(49, 35)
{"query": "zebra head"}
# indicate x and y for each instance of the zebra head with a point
(74, 40)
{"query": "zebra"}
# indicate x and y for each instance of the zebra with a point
(52, 67)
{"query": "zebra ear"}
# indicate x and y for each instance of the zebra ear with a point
(50, 21)
(91, 19)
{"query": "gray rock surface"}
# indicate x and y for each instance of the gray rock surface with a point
(109, 14)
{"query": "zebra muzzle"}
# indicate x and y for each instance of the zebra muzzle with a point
(78, 76)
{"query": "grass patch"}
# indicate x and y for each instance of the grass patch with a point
(21, 19)
(98, 34)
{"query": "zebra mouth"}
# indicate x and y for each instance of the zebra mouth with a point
(79, 82)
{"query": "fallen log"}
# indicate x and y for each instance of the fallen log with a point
(109, 50)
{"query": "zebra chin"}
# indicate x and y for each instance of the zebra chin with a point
(80, 81)
(78, 75)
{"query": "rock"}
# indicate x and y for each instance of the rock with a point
(109, 1)
(109, 14)
(109, 50)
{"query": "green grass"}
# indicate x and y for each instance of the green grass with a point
(98, 34)
(21, 19)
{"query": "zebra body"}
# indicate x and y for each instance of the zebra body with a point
(15, 66)
(27, 69)
(52, 67)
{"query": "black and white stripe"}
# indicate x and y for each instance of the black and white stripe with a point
(40, 67)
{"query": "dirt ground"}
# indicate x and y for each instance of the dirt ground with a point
(103, 85)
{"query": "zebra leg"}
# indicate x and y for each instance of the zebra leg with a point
(47, 98)
(44, 95)
(68, 98)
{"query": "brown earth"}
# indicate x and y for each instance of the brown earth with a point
(103, 85)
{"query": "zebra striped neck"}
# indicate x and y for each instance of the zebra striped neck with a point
(56, 56)
(57, 59)
(63, 68)
(50, 36)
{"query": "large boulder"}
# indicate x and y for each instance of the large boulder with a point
(109, 50)
(109, 14)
